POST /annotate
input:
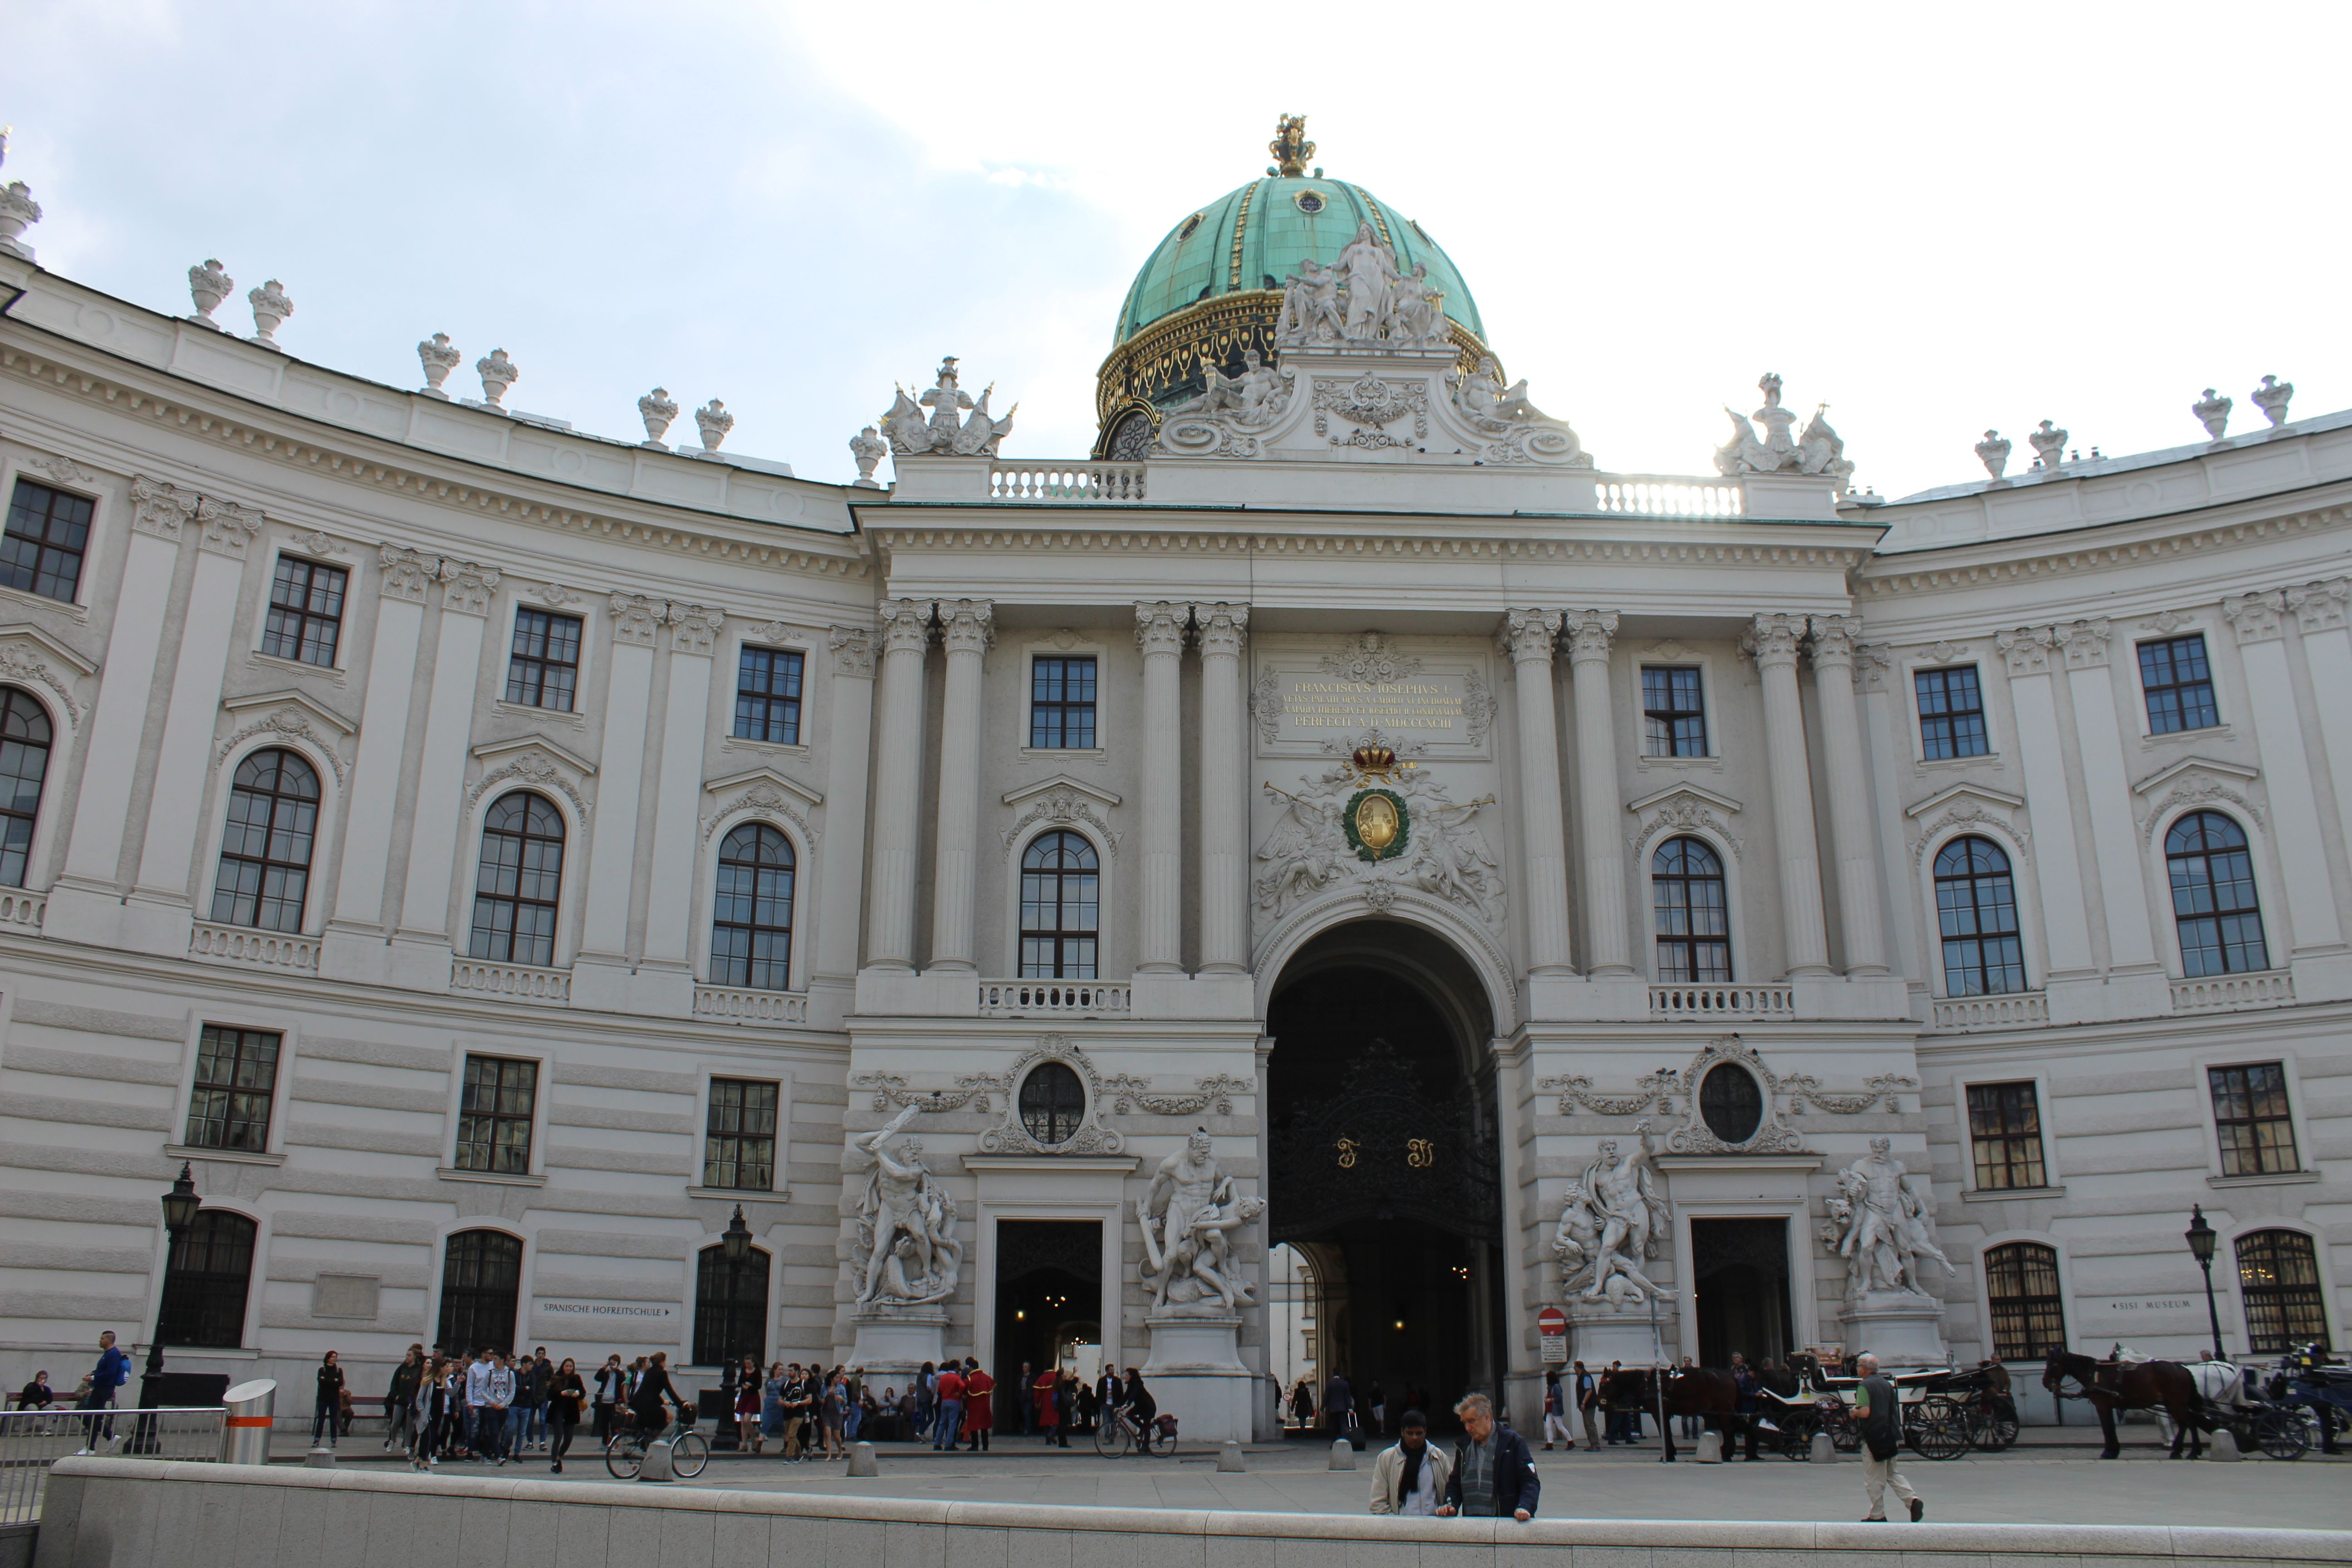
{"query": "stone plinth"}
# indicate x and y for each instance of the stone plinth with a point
(1902, 1328)
(1600, 1333)
(899, 1340)
(1195, 1373)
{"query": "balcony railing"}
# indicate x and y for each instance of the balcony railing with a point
(262, 949)
(741, 1004)
(1647, 497)
(1958, 1014)
(1053, 998)
(23, 909)
(2220, 992)
(1092, 483)
(522, 981)
(1670, 1001)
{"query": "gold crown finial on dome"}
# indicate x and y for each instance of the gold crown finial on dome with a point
(1290, 147)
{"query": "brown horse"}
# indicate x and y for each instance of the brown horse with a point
(1706, 1392)
(2114, 1386)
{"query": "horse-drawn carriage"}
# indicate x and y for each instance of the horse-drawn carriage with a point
(2217, 1396)
(1945, 1412)
(2309, 1396)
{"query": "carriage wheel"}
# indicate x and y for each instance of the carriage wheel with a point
(1993, 1434)
(2281, 1433)
(1797, 1439)
(1941, 1430)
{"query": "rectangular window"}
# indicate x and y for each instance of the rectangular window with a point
(1062, 704)
(2005, 1125)
(2250, 1113)
(494, 1115)
(544, 671)
(1674, 722)
(2179, 683)
(768, 696)
(48, 532)
(1951, 713)
(236, 1074)
(306, 611)
(739, 1148)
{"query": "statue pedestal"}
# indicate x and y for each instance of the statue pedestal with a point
(1195, 1371)
(1902, 1328)
(899, 1340)
(1600, 1333)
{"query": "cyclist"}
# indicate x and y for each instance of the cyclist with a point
(650, 1402)
(1140, 1409)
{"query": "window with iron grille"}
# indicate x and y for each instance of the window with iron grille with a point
(481, 1275)
(730, 1307)
(1694, 917)
(2250, 1116)
(24, 766)
(205, 1280)
(518, 882)
(751, 918)
(264, 878)
(49, 530)
(1062, 704)
(494, 1115)
(1976, 910)
(1061, 893)
(768, 696)
(2005, 1126)
(1674, 717)
(2278, 1280)
(1951, 713)
(738, 1144)
(236, 1085)
(543, 670)
(2178, 684)
(2214, 904)
(2029, 1317)
(1053, 1102)
(306, 611)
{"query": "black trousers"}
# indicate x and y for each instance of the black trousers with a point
(560, 1427)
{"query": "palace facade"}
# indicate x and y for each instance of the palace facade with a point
(490, 857)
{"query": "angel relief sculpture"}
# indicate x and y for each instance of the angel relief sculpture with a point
(1445, 854)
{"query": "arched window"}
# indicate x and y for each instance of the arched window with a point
(751, 924)
(730, 1308)
(24, 764)
(1694, 916)
(2214, 900)
(2278, 1280)
(481, 1275)
(1976, 904)
(1053, 1102)
(265, 863)
(1061, 891)
(205, 1280)
(2029, 1315)
(522, 876)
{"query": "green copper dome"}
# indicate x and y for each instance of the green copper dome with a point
(1252, 238)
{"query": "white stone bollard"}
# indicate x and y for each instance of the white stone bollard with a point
(1824, 1451)
(2222, 1448)
(1343, 1454)
(657, 1464)
(861, 1460)
(1710, 1447)
(319, 1459)
(1229, 1458)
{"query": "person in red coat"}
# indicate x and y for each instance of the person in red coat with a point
(979, 1404)
(1049, 1417)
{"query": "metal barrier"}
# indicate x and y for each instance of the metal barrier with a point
(32, 1440)
(248, 1416)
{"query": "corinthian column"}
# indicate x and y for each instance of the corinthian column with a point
(1857, 870)
(968, 627)
(1597, 805)
(1159, 633)
(1772, 641)
(898, 783)
(1527, 635)
(1224, 853)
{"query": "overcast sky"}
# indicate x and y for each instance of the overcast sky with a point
(1934, 218)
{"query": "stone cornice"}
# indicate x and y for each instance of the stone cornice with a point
(1462, 540)
(1994, 564)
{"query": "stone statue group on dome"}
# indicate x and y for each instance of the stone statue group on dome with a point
(1362, 297)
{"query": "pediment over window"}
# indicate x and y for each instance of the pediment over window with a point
(1978, 793)
(1060, 782)
(288, 713)
(30, 654)
(2199, 781)
(2208, 766)
(1061, 802)
(491, 750)
(1968, 805)
(751, 776)
(761, 793)
(1684, 805)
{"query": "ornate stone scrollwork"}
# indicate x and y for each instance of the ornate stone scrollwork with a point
(853, 650)
(1227, 420)
(1129, 1094)
(1011, 1135)
(1266, 706)
(1370, 405)
(695, 628)
(1659, 1092)
(765, 800)
(1373, 659)
(1063, 803)
(534, 766)
(1515, 430)
(407, 572)
(63, 469)
(1445, 854)
(974, 1090)
(636, 619)
(1694, 1136)
(1652, 1093)
(21, 661)
(160, 508)
(290, 720)
(469, 586)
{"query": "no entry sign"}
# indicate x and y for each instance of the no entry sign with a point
(1552, 1324)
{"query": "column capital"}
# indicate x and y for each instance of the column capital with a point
(1159, 626)
(2026, 650)
(853, 650)
(634, 618)
(906, 624)
(405, 572)
(695, 628)
(1834, 641)
(2084, 643)
(1527, 635)
(1772, 640)
(1224, 629)
(467, 586)
(1589, 633)
(967, 625)
(159, 507)
(1872, 660)
(2320, 606)
(227, 527)
(2255, 617)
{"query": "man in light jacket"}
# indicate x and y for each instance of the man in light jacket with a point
(1410, 1477)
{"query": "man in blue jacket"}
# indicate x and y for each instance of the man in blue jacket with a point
(1494, 1475)
(114, 1370)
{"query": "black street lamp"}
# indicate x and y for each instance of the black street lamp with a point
(734, 1247)
(2201, 1237)
(180, 1206)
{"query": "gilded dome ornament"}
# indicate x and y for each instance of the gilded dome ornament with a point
(1290, 147)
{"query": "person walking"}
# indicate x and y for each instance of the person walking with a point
(400, 1401)
(1028, 1413)
(979, 1404)
(565, 1395)
(1587, 1392)
(1555, 1414)
(112, 1371)
(835, 1415)
(1049, 1416)
(747, 1407)
(1339, 1406)
(1302, 1405)
(1876, 1407)
(771, 1409)
(927, 1400)
(534, 1375)
(1494, 1475)
(428, 1413)
(328, 1407)
(950, 1418)
(1411, 1479)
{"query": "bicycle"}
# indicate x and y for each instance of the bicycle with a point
(1121, 1432)
(625, 1451)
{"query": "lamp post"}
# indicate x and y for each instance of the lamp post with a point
(734, 1247)
(180, 1206)
(2201, 1237)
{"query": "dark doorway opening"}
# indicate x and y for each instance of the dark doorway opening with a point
(1385, 1168)
(1739, 1272)
(1048, 1298)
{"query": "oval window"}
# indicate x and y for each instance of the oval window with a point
(1053, 1103)
(1309, 201)
(1729, 1103)
(1189, 224)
